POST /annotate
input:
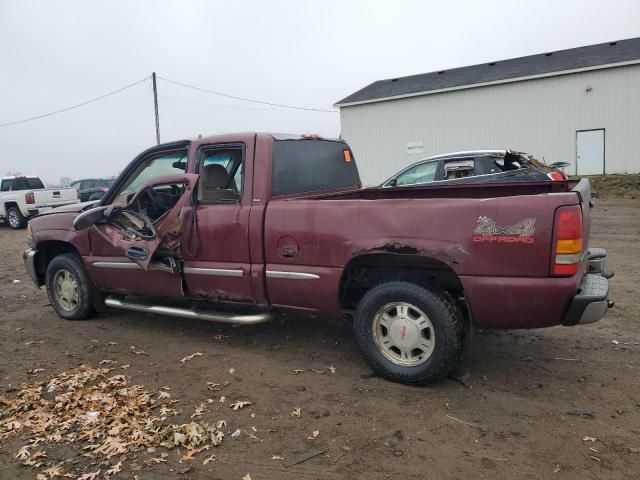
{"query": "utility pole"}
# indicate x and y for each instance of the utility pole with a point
(155, 104)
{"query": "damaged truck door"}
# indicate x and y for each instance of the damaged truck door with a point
(136, 238)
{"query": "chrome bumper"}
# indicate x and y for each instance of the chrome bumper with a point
(29, 258)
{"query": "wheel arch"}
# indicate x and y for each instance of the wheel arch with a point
(47, 251)
(365, 271)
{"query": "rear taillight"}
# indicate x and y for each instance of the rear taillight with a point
(567, 238)
(29, 197)
(557, 176)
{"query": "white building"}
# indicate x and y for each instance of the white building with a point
(580, 106)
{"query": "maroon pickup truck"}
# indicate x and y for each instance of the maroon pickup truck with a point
(231, 228)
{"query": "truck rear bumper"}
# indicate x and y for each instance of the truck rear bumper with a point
(590, 303)
(33, 211)
(592, 300)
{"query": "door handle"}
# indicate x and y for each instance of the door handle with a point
(137, 253)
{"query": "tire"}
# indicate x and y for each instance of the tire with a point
(69, 288)
(425, 324)
(15, 219)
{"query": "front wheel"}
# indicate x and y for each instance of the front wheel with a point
(15, 218)
(408, 333)
(69, 288)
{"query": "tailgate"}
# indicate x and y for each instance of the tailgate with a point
(55, 197)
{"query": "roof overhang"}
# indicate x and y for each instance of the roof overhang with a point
(487, 84)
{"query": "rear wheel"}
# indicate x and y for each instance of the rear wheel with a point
(69, 288)
(408, 333)
(15, 219)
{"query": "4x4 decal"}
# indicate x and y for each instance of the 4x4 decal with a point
(487, 231)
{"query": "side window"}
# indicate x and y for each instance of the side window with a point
(423, 173)
(459, 168)
(6, 185)
(221, 175)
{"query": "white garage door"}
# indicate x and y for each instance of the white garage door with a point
(590, 152)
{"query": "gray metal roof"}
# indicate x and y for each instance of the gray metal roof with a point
(540, 64)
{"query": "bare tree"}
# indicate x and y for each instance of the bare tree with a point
(64, 181)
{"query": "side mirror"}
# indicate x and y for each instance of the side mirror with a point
(91, 217)
(393, 182)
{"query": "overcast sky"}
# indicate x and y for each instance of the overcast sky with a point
(54, 54)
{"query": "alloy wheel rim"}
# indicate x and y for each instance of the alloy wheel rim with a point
(65, 289)
(404, 334)
(14, 221)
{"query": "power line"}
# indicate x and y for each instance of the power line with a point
(74, 106)
(244, 99)
(239, 107)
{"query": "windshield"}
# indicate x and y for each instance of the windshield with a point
(165, 164)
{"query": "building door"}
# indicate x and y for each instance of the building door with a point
(590, 152)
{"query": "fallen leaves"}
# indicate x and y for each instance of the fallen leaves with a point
(296, 412)
(22, 454)
(34, 371)
(232, 371)
(89, 476)
(209, 459)
(190, 357)
(276, 457)
(590, 439)
(117, 468)
(34, 342)
(102, 415)
(314, 435)
(246, 477)
(239, 404)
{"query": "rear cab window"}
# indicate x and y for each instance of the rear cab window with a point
(17, 184)
(305, 165)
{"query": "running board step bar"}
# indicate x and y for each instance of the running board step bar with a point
(211, 316)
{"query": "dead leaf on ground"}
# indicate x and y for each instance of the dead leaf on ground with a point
(240, 404)
(276, 457)
(190, 357)
(214, 386)
(296, 412)
(246, 477)
(297, 371)
(107, 362)
(589, 439)
(209, 459)
(23, 453)
(89, 476)
(117, 468)
(222, 399)
(332, 369)
(314, 435)
(232, 371)
(34, 342)
(189, 455)
(124, 367)
(33, 371)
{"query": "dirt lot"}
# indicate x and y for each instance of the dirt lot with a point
(516, 418)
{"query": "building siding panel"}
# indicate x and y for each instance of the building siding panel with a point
(538, 116)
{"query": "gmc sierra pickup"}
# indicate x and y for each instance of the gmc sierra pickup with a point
(22, 197)
(231, 228)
